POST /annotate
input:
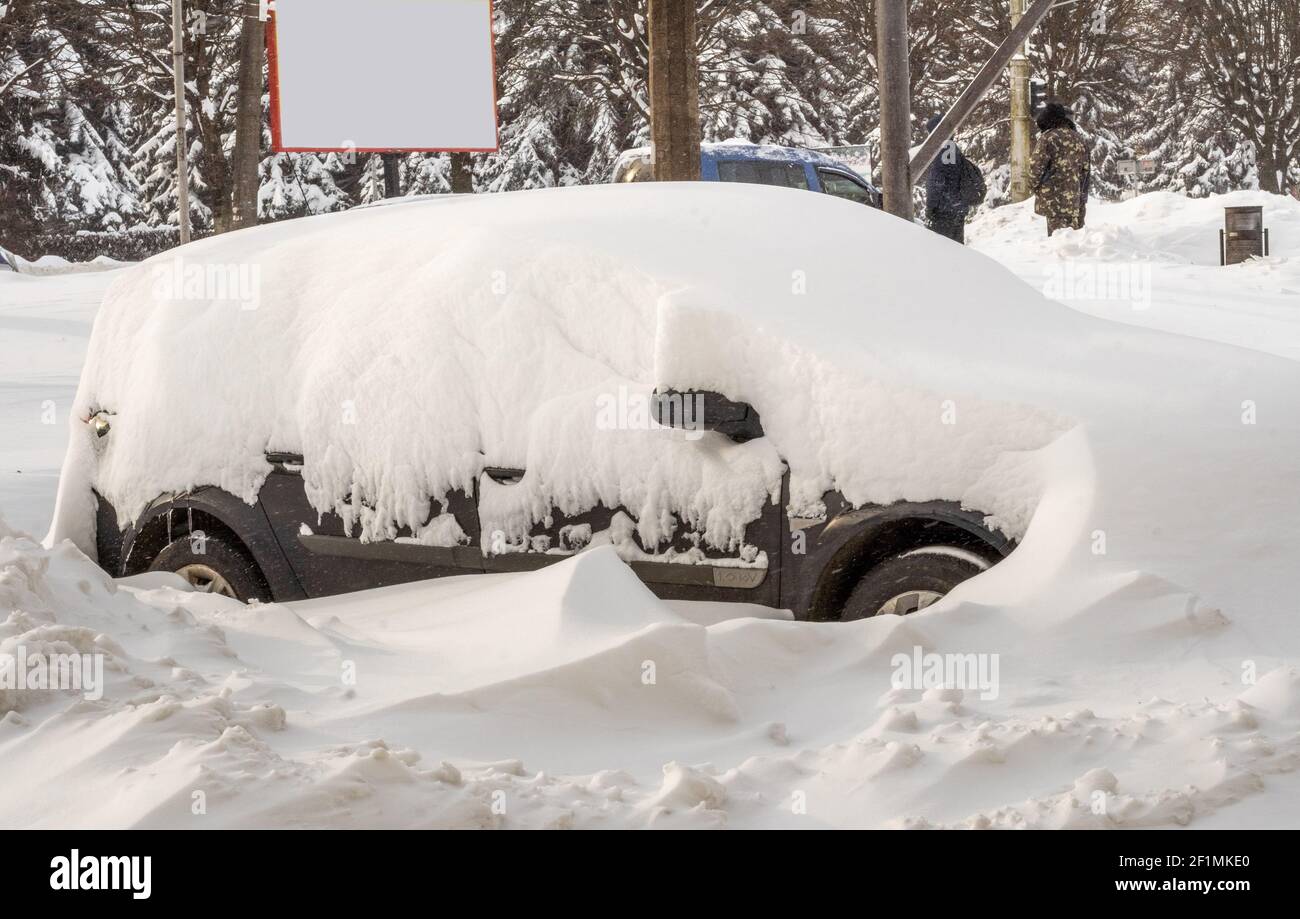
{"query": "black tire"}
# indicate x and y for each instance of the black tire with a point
(230, 562)
(912, 576)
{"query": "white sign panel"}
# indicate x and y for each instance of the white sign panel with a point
(359, 75)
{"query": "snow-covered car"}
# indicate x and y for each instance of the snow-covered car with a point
(7, 261)
(709, 377)
(762, 164)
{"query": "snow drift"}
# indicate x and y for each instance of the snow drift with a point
(572, 697)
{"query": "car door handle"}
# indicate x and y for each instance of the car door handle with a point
(503, 475)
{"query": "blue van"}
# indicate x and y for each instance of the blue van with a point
(763, 164)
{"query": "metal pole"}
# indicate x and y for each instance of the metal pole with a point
(1021, 117)
(895, 106)
(182, 167)
(973, 93)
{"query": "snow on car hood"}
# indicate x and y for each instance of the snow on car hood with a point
(402, 349)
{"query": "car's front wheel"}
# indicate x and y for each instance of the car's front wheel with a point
(911, 581)
(211, 565)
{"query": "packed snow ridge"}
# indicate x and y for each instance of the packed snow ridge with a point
(219, 715)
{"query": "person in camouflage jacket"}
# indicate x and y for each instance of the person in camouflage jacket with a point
(1060, 170)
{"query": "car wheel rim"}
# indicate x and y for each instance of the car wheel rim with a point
(207, 580)
(909, 602)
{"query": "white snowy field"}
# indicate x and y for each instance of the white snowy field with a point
(45, 324)
(1154, 261)
(1162, 692)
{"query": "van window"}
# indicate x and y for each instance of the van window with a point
(841, 186)
(761, 172)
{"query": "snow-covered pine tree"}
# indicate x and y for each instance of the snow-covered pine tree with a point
(371, 186)
(299, 185)
(1248, 56)
(212, 32)
(573, 81)
(63, 163)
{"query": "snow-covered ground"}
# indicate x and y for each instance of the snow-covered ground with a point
(44, 327)
(1154, 261)
(1158, 690)
(749, 722)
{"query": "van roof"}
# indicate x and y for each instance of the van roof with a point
(744, 150)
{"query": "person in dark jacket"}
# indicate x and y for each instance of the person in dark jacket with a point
(1060, 170)
(953, 185)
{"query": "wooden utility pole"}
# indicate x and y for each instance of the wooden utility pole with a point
(182, 166)
(247, 156)
(1022, 124)
(895, 106)
(674, 91)
(462, 173)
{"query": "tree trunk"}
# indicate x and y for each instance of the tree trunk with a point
(462, 174)
(392, 177)
(248, 118)
(1271, 162)
(895, 107)
(674, 91)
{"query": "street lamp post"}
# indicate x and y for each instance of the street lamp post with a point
(1021, 120)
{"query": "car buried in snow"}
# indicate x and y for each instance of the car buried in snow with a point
(493, 383)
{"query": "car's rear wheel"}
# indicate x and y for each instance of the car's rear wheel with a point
(911, 581)
(212, 565)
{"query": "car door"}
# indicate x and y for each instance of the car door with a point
(842, 185)
(329, 557)
(683, 567)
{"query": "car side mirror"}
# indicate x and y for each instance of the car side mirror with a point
(697, 410)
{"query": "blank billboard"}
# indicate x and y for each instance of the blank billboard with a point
(382, 75)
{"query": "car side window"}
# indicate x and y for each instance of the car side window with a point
(759, 172)
(841, 186)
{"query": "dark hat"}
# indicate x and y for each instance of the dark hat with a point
(1054, 115)
(933, 123)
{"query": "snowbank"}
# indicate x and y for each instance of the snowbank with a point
(1154, 261)
(57, 264)
(572, 697)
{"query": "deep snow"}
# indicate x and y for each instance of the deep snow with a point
(1145, 630)
(522, 701)
(1154, 261)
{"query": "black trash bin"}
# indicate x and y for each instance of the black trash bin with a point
(1243, 235)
